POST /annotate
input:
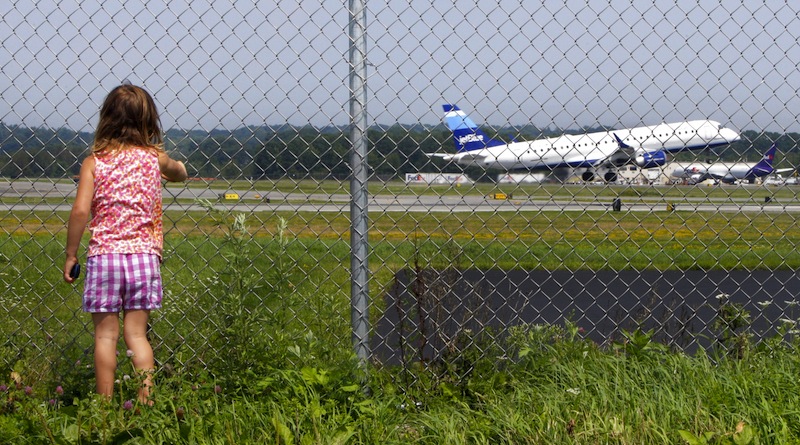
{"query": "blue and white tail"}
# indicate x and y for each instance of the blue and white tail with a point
(764, 166)
(466, 135)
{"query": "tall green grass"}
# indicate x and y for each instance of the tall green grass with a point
(556, 388)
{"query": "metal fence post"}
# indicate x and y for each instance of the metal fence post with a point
(359, 299)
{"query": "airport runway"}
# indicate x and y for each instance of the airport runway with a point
(182, 198)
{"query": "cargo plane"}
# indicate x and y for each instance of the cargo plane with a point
(600, 153)
(732, 171)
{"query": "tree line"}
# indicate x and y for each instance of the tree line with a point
(314, 152)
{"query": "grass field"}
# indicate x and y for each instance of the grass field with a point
(255, 346)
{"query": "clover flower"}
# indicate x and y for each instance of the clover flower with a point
(127, 405)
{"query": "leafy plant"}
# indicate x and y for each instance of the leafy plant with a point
(732, 321)
(640, 344)
(743, 435)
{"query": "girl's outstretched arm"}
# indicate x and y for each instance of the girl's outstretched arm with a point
(171, 170)
(79, 215)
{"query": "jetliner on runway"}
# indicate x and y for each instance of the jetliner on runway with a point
(731, 172)
(600, 153)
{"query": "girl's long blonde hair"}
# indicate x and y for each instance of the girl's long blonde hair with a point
(128, 118)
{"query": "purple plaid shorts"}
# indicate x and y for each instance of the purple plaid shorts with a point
(118, 281)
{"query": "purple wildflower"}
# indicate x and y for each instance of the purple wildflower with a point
(127, 405)
(217, 389)
(59, 390)
(129, 353)
(52, 402)
(3, 388)
(28, 390)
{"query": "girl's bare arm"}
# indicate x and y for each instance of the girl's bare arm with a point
(172, 170)
(79, 215)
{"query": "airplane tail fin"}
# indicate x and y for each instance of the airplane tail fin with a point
(466, 135)
(764, 167)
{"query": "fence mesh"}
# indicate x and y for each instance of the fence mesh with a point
(462, 259)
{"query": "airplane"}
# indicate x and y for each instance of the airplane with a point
(599, 153)
(730, 172)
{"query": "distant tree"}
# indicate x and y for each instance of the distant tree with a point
(285, 150)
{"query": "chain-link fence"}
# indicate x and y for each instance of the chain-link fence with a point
(467, 249)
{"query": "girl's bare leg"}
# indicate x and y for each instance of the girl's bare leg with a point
(135, 331)
(106, 336)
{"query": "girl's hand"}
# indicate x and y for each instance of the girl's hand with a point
(68, 264)
(171, 170)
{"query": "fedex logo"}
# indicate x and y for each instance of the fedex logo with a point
(472, 137)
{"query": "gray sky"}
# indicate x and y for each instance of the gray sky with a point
(554, 63)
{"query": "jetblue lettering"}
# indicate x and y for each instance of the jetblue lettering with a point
(467, 138)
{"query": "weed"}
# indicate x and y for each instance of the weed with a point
(732, 321)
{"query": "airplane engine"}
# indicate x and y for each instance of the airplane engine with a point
(650, 159)
(609, 175)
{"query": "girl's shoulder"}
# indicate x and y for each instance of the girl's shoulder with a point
(89, 161)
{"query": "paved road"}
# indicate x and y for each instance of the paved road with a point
(680, 306)
(180, 198)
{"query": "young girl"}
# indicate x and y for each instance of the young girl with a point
(120, 184)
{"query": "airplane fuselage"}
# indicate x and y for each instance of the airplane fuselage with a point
(600, 148)
(735, 171)
(730, 171)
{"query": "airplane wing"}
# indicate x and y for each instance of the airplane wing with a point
(445, 156)
(783, 170)
(715, 176)
(621, 155)
(467, 156)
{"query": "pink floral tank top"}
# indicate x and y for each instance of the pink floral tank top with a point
(126, 207)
